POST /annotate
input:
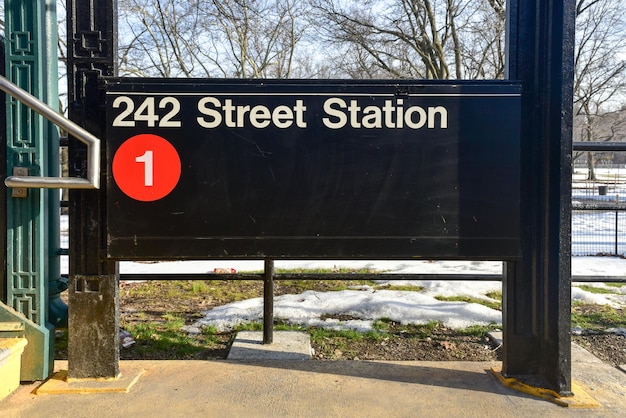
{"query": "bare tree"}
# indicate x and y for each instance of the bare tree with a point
(482, 51)
(260, 36)
(210, 38)
(417, 39)
(160, 38)
(600, 70)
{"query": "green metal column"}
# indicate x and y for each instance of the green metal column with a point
(32, 237)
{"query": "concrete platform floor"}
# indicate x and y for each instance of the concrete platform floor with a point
(286, 345)
(306, 388)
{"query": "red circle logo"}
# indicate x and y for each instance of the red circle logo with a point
(146, 167)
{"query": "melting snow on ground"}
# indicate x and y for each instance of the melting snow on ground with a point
(360, 308)
(365, 306)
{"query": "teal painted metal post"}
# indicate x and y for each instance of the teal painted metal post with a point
(32, 237)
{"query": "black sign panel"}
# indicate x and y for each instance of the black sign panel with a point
(312, 169)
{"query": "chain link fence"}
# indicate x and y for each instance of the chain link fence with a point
(599, 211)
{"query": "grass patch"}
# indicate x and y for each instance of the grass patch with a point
(340, 340)
(211, 335)
(343, 340)
(419, 330)
(282, 325)
(318, 334)
(386, 326)
(165, 337)
(199, 287)
(496, 294)
(382, 325)
(615, 284)
(594, 289)
(152, 289)
(497, 305)
(479, 331)
(222, 291)
(597, 317)
(296, 285)
(299, 286)
(336, 270)
(250, 326)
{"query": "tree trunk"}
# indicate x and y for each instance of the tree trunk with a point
(591, 175)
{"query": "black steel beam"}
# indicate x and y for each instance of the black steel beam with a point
(599, 146)
(93, 337)
(537, 289)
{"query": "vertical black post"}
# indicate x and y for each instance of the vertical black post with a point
(268, 302)
(93, 346)
(616, 224)
(537, 289)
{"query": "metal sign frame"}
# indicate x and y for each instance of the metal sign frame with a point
(202, 169)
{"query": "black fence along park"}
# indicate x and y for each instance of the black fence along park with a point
(312, 169)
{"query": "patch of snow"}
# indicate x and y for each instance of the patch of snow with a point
(584, 296)
(311, 308)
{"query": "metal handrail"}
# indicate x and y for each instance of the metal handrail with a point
(93, 146)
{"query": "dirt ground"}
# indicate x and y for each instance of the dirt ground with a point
(441, 344)
(609, 348)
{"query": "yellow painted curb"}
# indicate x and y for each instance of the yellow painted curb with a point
(11, 350)
(59, 384)
(581, 399)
